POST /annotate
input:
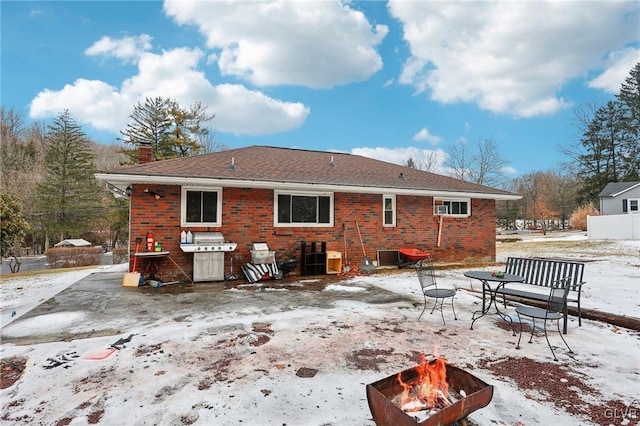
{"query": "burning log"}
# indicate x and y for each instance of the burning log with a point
(436, 390)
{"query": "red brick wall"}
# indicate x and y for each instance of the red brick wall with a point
(247, 217)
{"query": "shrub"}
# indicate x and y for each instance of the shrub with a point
(120, 255)
(68, 257)
(579, 217)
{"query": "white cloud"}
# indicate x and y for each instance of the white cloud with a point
(424, 135)
(36, 11)
(319, 45)
(172, 74)
(88, 101)
(401, 155)
(619, 64)
(251, 112)
(508, 57)
(511, 171)
(126, 48)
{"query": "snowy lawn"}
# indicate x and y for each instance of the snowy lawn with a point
(289, 363)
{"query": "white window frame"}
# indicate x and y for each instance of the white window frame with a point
(183, 207)
(393, 210)
(302, 194)
(637, 210)
(440, 200)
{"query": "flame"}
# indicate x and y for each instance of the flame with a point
(428, 390)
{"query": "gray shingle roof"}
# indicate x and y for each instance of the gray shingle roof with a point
(273, 164)
(614, 188)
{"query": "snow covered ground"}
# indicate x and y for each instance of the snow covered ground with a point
(257, 362)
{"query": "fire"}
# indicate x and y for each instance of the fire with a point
(429, 390)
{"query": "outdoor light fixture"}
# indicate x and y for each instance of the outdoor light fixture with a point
(153, 194)
(118, 192)
(128, 191)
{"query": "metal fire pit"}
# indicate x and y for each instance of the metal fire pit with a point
(386, 413)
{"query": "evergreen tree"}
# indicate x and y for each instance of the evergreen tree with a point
(13, 225)
(611, 142)
(601, 142)
(150, 124)
(187, 133)
(69, 195)
(629, 100)
(170, 130)
(410, 163)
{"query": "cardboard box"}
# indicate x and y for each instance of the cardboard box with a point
(263, 256)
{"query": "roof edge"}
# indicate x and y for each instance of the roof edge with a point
(625, 190)
(123, 180)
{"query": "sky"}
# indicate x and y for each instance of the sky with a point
(387, 80)
(237, 362)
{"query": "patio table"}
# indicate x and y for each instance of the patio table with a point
(488, 279)
(152, 258)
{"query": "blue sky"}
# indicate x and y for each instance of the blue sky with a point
(389, 80)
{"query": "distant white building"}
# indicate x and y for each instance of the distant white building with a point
(619, 213)
(73, 242)
(620, 198)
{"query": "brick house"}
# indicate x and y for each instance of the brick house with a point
(282, 196)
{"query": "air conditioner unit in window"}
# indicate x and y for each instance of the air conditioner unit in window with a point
(440, 210)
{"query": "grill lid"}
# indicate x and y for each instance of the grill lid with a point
(207, 237)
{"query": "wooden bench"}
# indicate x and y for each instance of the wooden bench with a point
(542, 273)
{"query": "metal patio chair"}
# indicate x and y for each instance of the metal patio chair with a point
(430, 290)
(554, 311)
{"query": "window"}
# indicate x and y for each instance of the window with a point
(201, 207)
(302, 209)
(630, 206)
(454, 207)
(389, 210)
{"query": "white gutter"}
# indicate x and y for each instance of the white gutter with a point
(124, 180)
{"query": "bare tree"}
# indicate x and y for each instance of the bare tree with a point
(11, 124)
(489, 164)
(107, 156)
(20, 154)
(484, 166)
(563, 192)
(424, 160)
(210, 143)
(548, 198)
(460, 162)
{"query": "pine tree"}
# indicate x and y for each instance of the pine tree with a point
(611, 141)
(187, 133)
(629, 100)
(69, 195)
(170, 130)
(150, 124)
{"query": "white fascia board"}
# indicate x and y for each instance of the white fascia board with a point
(124, 180)
(624, 190)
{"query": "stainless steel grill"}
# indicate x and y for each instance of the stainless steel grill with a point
(208, 241)
(208, 250)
